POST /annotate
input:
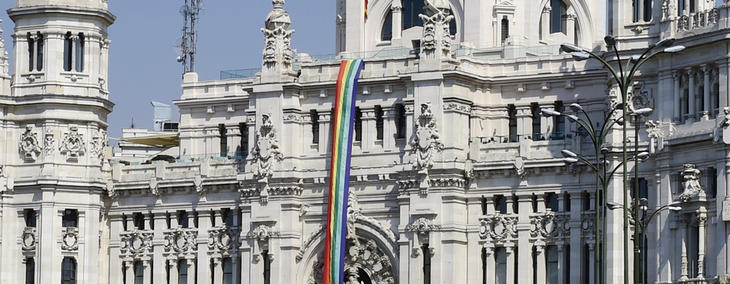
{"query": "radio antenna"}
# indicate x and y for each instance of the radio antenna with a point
(187, 47)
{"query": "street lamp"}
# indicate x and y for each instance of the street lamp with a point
(624, 79)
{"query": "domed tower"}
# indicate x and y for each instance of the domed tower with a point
(54, 123)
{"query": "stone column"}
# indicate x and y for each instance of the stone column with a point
(524, 253)
(684, 272)
(173, 272)
(722, 68)
(570, 25)
(677, 76)
(591, 261)
(491, 265)
(576, 247)
(217, 270)
(368, 130)
(397, 9)
(509, 251)
(706, 92)
(203, 267)
(147, 275)
(561, 262)
(160, 224)
(129, 271)
(691, 98)
(540, 257)
(325, 128)
(191, 271)
(701, 222)
(545, 22)
(686, 7)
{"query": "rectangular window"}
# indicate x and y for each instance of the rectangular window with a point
(484, 266)
(182, 271)
(30, 217)
(67, 52)
(500, 204)
(227, 271)
(379, 122)
(559, 122)
(68, 271)
(314, 117)
(70, 218)
(31, 51)
(551, 201)
(512, 114)
(505, 29)
(400, 121)
(643, 188)
(536, 122)
(227, 215)
(243, 129)
(711, 182)
(138, 220)
(39, 53)
(138, 272)
(484, 205)
(500, 261)
(222, 133)
(267, 266)
(80, 53)
(515, 204)
(551, 264)
(30, 270)
(426, 264)
(182, 218)
(358, 124)
(566, 202)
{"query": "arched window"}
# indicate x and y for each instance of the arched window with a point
(68, 271)
(67, 49)
(557, 16)
(80, 43)
(39, 53)
(505, 29)
(411, 10)
(386, 33)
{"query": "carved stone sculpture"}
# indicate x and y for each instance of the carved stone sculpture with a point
(436, 40)
(29, 238)
(422, 226)
(6, 183)
(70, 239)
(73, 144)
(277, 51)
(98, 143)
(366, 256)
(266, 152)
(180, 242)
(691, 184)
(426, 143)
(135, 244)
(29, 146)
(49, 142)
(498, 228)
(222, 240)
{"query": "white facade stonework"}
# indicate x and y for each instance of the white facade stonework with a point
(455, 178)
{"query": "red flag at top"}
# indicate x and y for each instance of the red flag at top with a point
(366, 9)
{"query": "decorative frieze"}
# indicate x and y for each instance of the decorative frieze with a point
(135, 244)
(73, 144)
(180, 242)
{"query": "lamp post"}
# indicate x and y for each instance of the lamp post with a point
(624, 78)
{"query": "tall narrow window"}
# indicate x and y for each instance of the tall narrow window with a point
(30, 270)
(551, 264)
(358, 124)
(182, 218)
(566, 202)
(30, 217)
(500, 261)
(67, 52)
(551, 201)
(647, 10)
(227, 215)
(378, 123)
(711, 182)
(138, 272)
(70, 218)
(505, 29)
(39, 53)
(243, 129)
(386, 33)
(512, 114)
(536, 122)
(500, 204)
(68, 271)
(314, 117)
(138, 220)
(223, 134)
(714, 92)
(559, 121)
(182, 271)
(31, 51)
(227, 271)
(80, 43)
(557, 16)
(400, 121)
(484, 265)
(267, 266)
(426, 264)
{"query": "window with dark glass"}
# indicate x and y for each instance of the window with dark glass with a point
(411, 9)
(386, 33)
(31, 51)
(536, 122)
(70, 218)
(559, 121)
(223, 134)
(227, 215)
(566, 202)
(31, 217)
(551, 264)
(67, 52)
(182, 218)
(358, 124)
(551, 201)
(711, 182)
(500, 261)
(80, 46)
(557, 16)
(378, 123)
(227, 271)
(68, 271)
(500, 204)
(182, 271)
(314, 117)
(243, 129)
(643, 188)
(426, 264)
(267, 266)
(30, 270)
(138, 272)
(39, 53)
(505, 29)
(138, 219)
(512, 114)
(400, 121)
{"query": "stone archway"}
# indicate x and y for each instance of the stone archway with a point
(365, 262)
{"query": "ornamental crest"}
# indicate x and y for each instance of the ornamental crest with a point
(180, 241)
(427, 140)
(70, 239)
(73, 144)
(135, 244)
(29, 146)
(29, 238)
(98, 143)
(222, 240)
(436, 33)
(640, 97)
(266, 151)
(262, 233)
(48, 143)
(691, 184)
(422, 226)
(549, 226)
(498, 228)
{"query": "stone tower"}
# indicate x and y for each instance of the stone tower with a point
(54, 122)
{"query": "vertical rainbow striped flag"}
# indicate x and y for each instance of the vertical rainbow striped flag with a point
(342, 130)
(366, 9)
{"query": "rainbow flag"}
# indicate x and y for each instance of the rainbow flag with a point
(366, 9)
(342, 130)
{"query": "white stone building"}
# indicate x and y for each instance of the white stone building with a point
(456, 177)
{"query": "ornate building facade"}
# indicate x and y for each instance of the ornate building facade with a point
(456, 175)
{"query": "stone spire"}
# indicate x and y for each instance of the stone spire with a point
(277, 56)
(436, 40)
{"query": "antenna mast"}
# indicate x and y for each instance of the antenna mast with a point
(190, 12)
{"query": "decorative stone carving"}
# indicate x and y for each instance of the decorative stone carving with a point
(691, 183)
(365, 256)
(425, 144)
(222, 240)
(587, 224)
(154, 187)
(70, 239)
(354, 215)
(73, 144)
(6, 183)
(277, 33)
(549, 226)
(98, 143)
(422, 226)
(198, 184)
(266, 152)
(49, 142)
(262, 233)
(519, 165)
(640, 97)
(308, 242)
(180, 242)
(498, 228)
(436, 40)
(29, 146)
(135, 244)
(29, 238)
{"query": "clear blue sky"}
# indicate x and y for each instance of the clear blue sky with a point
(142, 57)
